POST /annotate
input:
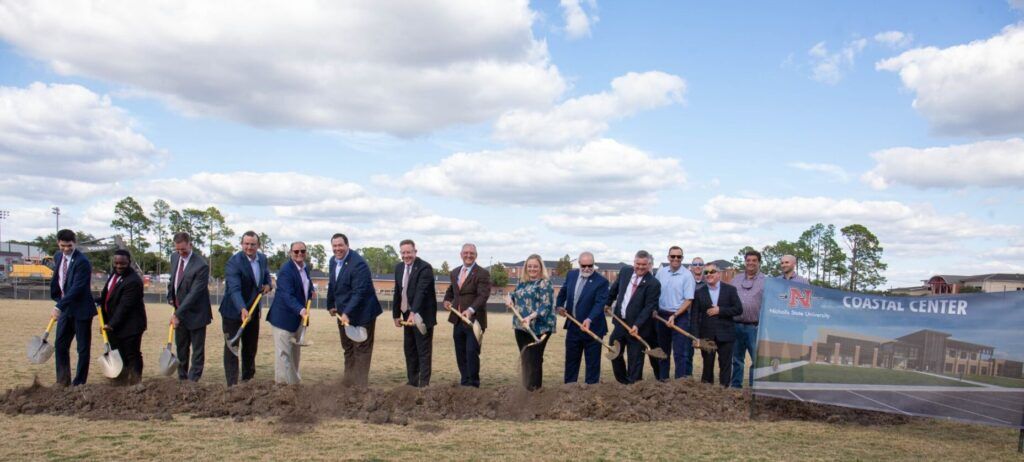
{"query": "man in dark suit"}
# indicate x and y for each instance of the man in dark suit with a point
(470, 287)
(246, 275)
(294, 289)
(714, 306)
(124, 310)
(636, 293)
(351, 296)
(415, 294)
(584, 295)
(70, 288)
(189, 294)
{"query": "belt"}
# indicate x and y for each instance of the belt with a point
(748, 323)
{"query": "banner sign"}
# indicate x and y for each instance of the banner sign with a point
(957, 357)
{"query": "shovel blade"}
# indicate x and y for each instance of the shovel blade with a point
(478, 332)
(656, 353)
(111, 364)
(301, 340)
(614, 352)
(233, 344)
(356, 334)
(39, 350)
(168, 361)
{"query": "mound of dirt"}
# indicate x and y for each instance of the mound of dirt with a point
(297, 406)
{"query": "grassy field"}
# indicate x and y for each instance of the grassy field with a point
(998, 381)
(827, 373)
(65, 438)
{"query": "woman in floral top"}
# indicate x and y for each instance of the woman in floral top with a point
(534, 300)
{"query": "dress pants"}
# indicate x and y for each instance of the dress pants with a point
(628, 367)
(682, 348)
(248, 343)
(467, 355)
(286, 356)
(724, 354)
(580, 345)
(196, 339)
(130, 348)
(418, 350)
(531, 359)
(665, 334)
(69, 328)
(357, 357)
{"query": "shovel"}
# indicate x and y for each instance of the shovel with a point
(706, 345)
(612, 351)
(478, 331)
(415, 320)
(234, 343)
(168, 359)
(302, 329)
(656, 353)
(354, 333)
(39, 350)
(110, 361)
(536, 341)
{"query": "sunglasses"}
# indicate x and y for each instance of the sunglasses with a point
(299, 251)
(699, 265)
(586, 266)
(707, 272)
(676, 257)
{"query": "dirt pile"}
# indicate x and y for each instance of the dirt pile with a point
(306, 404)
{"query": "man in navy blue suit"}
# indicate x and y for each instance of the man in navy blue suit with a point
(70, 288)
(294, 289)
(583, 296)
(636, 293)
(351, 296)
(246, 276)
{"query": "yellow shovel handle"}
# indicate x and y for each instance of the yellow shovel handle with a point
(305, 319)
(99, 311)
(49, 326)
(251, 307)
(170, 333)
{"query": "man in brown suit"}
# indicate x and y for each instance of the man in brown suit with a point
(472, 284)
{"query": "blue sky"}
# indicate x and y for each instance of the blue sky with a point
(547, 127)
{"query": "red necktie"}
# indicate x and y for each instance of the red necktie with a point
(110, 290)
(63, 273)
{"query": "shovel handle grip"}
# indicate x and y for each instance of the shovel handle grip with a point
(103, 330)
(251, 307)
(49, 325)
(305, 319)
(675, 327)
(460, 315)
(580, 325)
(170, 334)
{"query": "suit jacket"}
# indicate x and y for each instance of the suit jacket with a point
(421, 293)
(642, 304)
(290, 297)
(242, 286)
(718, 328)
(593, 298)
(191, 301)
(125, 310)
(473, 293)
(75, 299)
(351, 292)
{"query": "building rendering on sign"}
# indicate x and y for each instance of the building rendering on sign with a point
(950, 284)
(924, 350)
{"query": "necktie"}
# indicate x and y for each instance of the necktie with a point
(629, 295)
(178, 275)
(405, 289)
(110, 290)
(63, 273)
(462, 276)
(576, 294)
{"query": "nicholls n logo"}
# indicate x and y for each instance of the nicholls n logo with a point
(799, 296)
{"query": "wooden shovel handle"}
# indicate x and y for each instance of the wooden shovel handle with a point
(675, 327)
(512, 307)
(580, 325)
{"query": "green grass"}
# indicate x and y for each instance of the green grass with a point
(765, 361)
(997, 381)
(826, 373)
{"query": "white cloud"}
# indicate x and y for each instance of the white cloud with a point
(363, 65)
(833, 170)
(632, 224)
(981, 164)
(828, 67)
(972, 89)
(598, 170)
(903, 229)
(577, 21)
(64, 142)
(585, 118)
(894, 38)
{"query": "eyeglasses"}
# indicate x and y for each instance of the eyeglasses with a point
(699, 265)
(676, 257)
(299, 251)
(707, 272)
(586, 266)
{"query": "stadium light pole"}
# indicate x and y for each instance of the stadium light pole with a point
(56, 212)
(3, 216)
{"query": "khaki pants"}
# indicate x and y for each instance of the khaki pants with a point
(286, 362)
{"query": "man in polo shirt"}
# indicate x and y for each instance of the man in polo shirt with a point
(750, 287)
(677, 287)
(787, 265)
